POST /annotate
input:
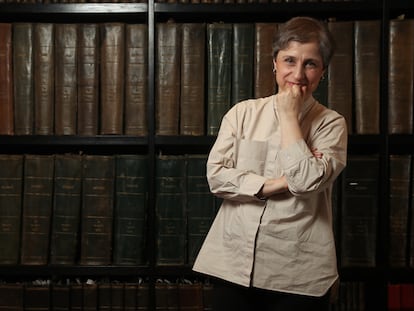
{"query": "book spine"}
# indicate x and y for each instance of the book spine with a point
(66, 97)
(11, 296)
(37, 209)
(88, 79)
(11, 183)
(112, 78)
(136, 81)
(23, 75)
(6, 80)
(192, 104)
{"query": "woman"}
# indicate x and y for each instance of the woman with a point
(271, 246)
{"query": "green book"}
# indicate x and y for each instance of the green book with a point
(200, 204)
(219, 66)
(242, 78)
(66, 209)
(131, 192)
(11, 181)
(170, 210)
(37, 209)
(98, 172)
(359, 211)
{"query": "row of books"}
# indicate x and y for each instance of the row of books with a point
(93, 209)
(105, 295)
(174, 1)
(400, 296)
(89, 79)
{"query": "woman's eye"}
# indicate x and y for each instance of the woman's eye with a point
(289, 60)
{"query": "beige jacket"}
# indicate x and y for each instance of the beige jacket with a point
(285, 243)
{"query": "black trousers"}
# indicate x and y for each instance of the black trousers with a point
(231, 297)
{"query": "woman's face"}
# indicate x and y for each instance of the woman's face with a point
(301, 64)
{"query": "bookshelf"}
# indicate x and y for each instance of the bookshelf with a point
(152, 13)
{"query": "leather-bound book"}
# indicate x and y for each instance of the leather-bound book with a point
(208, 296)
(60, 297)
(367, 37)
(136, 79)
(170, 210)
(76, 297)
(104, 296)
(399, 202)
(11, 296)
(23, 75)
(340, 70)
(167, 78)
(66, 209)
(44, 79)
(143, 296)
(242, 62)
(112, 62)
(200, 204)
(219, 47)
(400, 76)
(88, 79)
(117, 296)
(11, 181)
(6, 80)
(190, 296)
(98, 173)
(130, 296)
(90, 296)
(192, 101)
(131, 193)
(37, 297)
(161, 296)
(264, 80)
(37, 209)
(66, 97)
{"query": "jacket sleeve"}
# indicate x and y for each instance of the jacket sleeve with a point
(227, 179)
(306, 173)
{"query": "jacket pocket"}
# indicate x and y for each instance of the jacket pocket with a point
(251, 155)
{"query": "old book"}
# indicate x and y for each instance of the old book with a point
(131, 193)
(136, 79)
(37, 297)
(394, 297)
(400, 76)
(367, 41)
(359, 211)
(44, 86)
(104, 296)
(37, 209)
(23, 75)
(11, 181)
(170, 210)
(90, 296)
(76, 296)
(60, 297)
(192, 102)
(167, 78)
(399, 200)
(130, 296)
(407, 296)
(98, 173)
(264, 80)
(117, 296)
(191, 296)
(208, 288)
(66, 209)
(242, 62)
(340, 70)
(88, 79)
(6, 80)
(66, 61)
(112, 63)
(161, 296)
(11, 296)
(143, 300)
(219, 52)
(200, 204)
(173, 303)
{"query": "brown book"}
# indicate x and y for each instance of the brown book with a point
(44, 87)
(66, 79)
(37, 297)
(88, 79)
(60, 297)
(367, 37)
(112, 78)
(90, 297)
(117, 296)
(167, 78)
(104, 296)
(11, 181)
(23, 71)
(190, 296)
(208, 296)
(37, 208)
(130, 296)
(6, 80)
(136, 81)
(76, 297)
(11, 296)
(400, 76)
(340, 70)
(264, 81)
(143, 296)
(97, 209)
(192, 102)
